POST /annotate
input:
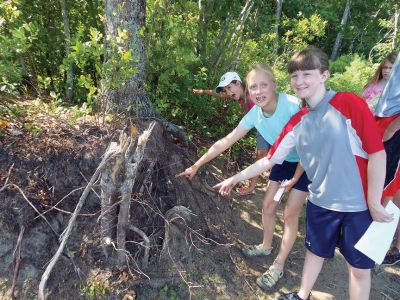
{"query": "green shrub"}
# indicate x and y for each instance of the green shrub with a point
(356, 74)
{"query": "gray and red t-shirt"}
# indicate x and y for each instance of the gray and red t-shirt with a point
(333, 140)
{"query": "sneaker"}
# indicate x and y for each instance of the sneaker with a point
(291, 296)
(392, 258)
(256, 250)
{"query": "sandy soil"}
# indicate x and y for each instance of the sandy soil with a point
(333, 280)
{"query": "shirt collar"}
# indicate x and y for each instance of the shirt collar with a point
(328, 96)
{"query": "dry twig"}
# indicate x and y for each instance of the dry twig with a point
(146, 240)
(17, 257)
(64, 236)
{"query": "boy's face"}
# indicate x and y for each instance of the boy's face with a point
(386, 70)
(308, 83)
(262, 89)
(234, 90)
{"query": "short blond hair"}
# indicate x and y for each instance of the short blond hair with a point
(261, 68)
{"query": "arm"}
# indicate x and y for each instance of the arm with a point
(391, 129)
(215, 150)
(254, 170)
(296, 176)
(376, 178)
(285, 143)
(211, 93)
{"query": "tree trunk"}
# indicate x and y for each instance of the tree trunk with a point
(131, 97)
(396, 27)
(93, 8)
(218, 50)
(204, 17)
(239, 31)
(70, 72)
(339, 36)
(276, 27)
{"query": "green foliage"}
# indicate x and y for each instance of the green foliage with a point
(87, 52)
(185, 49)
(302, 31)
(350, 73)
(168, 293)
(95, 290)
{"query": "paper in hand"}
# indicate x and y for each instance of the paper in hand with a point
(377, 239)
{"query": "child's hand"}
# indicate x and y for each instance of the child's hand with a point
(226, 186)
(188, 173)
(288, 184)
(198, 92)
(379, 214)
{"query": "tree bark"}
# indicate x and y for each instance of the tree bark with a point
(92, 8)
(396, 27)
(131, 97)
(218, 52)
(204, 17)
(277, 21)
(70, 72)
(339, 36)
(239, 31)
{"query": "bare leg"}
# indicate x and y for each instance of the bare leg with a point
(312, 267)
(269, 213)
(396, 201)
(359, 283)
(291, 216)
(260, 153)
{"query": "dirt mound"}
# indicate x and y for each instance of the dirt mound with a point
(42, 177)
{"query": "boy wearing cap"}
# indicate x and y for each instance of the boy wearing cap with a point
(230, 86)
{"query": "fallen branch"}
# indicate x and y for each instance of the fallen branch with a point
(146, 240)
(64, 236)
(17, 255)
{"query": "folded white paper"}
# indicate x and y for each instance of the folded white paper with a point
(377, 239)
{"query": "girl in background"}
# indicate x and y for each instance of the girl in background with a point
(231, 87)
(374, 88)
(387, 116)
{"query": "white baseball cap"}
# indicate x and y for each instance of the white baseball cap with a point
(226, 79)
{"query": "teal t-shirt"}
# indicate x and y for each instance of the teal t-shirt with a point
(271, 127)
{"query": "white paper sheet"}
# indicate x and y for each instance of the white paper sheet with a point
(377, 239)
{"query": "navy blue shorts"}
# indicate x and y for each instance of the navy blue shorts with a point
(326, 229)
(261, 143)
(286, 171)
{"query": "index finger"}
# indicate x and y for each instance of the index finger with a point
(218, 185)
(180, 174)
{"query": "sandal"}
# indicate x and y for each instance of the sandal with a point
(243, 191)
(269, 279)
(256, 250)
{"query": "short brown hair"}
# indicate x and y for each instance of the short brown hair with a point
(310, 58)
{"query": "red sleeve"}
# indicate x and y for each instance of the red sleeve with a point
(285, 141)
(384, 122)
(362, 121)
